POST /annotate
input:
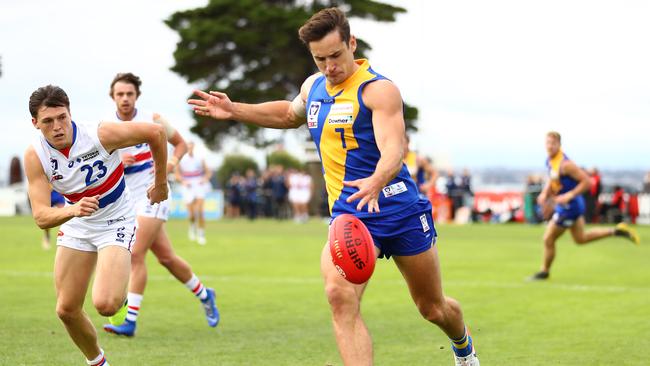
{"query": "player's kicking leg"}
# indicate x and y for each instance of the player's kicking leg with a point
(352, 336)
(422, 274)
(179, 268)
(72, 271)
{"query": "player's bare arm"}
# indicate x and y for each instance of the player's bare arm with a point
(207, 172)
(39, 195)
(174, 138)
(571, 169)
(385, 101)
(281, 114)
(115, 136)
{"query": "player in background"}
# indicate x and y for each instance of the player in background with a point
(300, 191)
(56, 200)
(194, 175)
(150, 235)
(97, 222)
(355, 117)
(564, 188)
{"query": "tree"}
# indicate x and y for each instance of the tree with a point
(250, 50)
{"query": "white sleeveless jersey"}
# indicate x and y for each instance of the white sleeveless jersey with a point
(140, 175)
(191, 168)
(87, 170)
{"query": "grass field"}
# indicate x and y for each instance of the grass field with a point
(594, 311)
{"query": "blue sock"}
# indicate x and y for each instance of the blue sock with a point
(462, 347)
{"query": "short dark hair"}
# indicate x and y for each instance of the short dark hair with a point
(324, 22)
(126, 77)
(49, 96)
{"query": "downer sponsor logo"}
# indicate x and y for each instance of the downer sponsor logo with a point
(340, 120)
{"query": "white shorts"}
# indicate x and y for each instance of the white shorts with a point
(299, 196)
(158, 211)
(77, 235)
(195, 190)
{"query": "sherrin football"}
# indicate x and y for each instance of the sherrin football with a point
(352, 248)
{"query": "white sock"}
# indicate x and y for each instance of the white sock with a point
(197, 288)
(99, 360)
(134, 306)
(201, 233)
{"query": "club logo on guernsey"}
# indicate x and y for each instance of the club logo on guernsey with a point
(312, 116)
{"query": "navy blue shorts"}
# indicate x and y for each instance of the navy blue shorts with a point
(406, 233)
(566, 215)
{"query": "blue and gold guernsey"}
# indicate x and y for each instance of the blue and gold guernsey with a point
(565, 215)
(341, 127)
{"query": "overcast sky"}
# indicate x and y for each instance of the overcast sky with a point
(489, 78)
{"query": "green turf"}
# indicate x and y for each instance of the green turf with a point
(594, 310)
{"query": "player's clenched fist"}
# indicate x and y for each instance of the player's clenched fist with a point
(157, 193)
(85, 206)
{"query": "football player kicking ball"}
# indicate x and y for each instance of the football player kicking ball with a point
(151, 218)
(355, 118)
(97, 222)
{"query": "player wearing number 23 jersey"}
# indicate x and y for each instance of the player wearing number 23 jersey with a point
(86, 169)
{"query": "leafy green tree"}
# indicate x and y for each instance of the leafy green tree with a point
(250, 50)
(284, 159)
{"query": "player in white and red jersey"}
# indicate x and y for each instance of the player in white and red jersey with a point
(300, 187)
(139, 172)
(97, 221)
(194, 175)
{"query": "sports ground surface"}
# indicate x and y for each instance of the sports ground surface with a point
(595, 310)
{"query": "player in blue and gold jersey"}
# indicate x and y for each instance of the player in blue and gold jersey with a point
(564, 188)
(355, 118)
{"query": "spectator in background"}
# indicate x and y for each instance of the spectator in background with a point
(646, 183)
(234, 193)
(618, 204)
(454, 192)
(251, 184)
(532, 209)
(279, 192)
(591, 195)
(15, 171)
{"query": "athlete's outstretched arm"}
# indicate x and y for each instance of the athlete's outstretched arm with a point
(280, 114)
(385, 101)
(174, 138)
(39, 196)
(117, 135)
(574, 171)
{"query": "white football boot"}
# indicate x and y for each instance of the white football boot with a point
(469, 360)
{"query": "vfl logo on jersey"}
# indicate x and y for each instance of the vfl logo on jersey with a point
(425, 223)
(312, 115)
(394, 189)
(340, 120)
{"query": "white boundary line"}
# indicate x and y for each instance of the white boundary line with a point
(318, 280)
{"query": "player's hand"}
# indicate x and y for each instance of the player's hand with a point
(157, 193)
(215, 104)
(541, 199)
(127, 159)
(368, 193)
(564, 199)
(85, 206)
